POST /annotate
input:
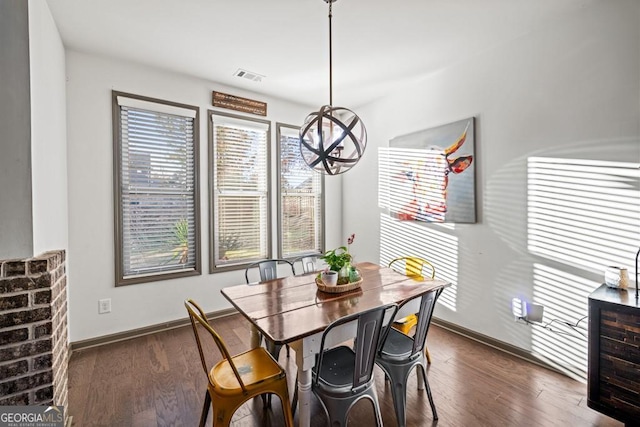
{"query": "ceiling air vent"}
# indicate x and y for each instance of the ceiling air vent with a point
(249, 75)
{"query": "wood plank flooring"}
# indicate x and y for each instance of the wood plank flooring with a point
(157, 380)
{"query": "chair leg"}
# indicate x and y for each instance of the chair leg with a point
(337, 419)
(399, 393)
(283, 394)
(205, 408)
(294, 401)
(429, 395)
(426, 353)
(287, 350)
(373, 396)
(274, 350)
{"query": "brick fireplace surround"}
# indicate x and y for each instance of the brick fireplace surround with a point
(34, 343)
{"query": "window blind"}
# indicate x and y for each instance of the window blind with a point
(157, 190)
(241, 190)
(301, 215)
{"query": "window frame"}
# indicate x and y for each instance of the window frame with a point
(120, 279)
(279, 127)
(213, 268)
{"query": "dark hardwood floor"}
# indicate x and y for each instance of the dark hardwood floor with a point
(157, 380)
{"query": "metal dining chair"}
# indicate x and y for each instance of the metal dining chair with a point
(415, 268)
(236, 379)
(309, 263)
(344, 375)
(268, 269)
(400, 353)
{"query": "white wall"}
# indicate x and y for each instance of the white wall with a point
(16, 232)
(572, 90)
(48, 131)
(90, 81)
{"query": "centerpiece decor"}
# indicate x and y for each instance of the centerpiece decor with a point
(339, 260)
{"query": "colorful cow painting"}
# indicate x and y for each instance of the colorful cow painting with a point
(422, 183)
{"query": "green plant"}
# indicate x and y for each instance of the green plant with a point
(227, 242)
(337, 258)
(181, 241)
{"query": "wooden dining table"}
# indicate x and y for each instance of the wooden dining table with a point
(292, 310)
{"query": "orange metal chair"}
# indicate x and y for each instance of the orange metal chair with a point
(414, 267)
(237, 379)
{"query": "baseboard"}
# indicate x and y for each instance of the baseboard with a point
(497, 344)
(147, 330)
(468, 333)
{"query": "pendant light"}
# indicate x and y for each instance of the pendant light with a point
(332, 139)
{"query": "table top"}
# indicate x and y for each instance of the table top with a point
(291, 308)
(624, 297)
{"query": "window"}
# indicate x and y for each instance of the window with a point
(239, 174)
(157, 234)
(300, 189)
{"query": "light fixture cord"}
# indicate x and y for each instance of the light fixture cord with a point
(330, 58)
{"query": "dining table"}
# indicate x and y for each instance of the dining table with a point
(293, 310)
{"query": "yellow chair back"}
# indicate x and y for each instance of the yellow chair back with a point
(197, 316)
(414, 266)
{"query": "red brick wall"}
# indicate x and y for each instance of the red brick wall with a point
(34, 343)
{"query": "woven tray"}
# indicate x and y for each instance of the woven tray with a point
(338, 288)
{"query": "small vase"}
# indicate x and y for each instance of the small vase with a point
(344, 273)
(354, 275)
(616, 277)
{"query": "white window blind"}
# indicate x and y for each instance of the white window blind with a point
(301, 213)
(157, 190)
(240, 190)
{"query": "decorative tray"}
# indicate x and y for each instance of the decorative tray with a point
(338, 288)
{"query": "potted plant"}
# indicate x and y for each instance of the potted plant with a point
(339, 260)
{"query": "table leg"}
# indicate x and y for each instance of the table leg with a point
(304, 396)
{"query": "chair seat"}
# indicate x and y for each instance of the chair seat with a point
(254, 366)
(397, 345)
(337, 368)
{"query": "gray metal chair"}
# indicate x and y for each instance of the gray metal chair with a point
(342, 375)
(268, 269)
(400, 353)
(309, 263)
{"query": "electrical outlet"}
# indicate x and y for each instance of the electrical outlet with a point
(104, 306)
(529, 311)
(518, 308)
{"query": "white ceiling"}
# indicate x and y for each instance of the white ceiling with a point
(377, 45)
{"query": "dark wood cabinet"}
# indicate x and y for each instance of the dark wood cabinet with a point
(614, 354)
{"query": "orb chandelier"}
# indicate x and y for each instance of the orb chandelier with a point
(332, 139)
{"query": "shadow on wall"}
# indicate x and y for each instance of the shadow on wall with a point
(582, 216)
(429, 241)
(566, 214)
(564, 297)
(432, 241)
